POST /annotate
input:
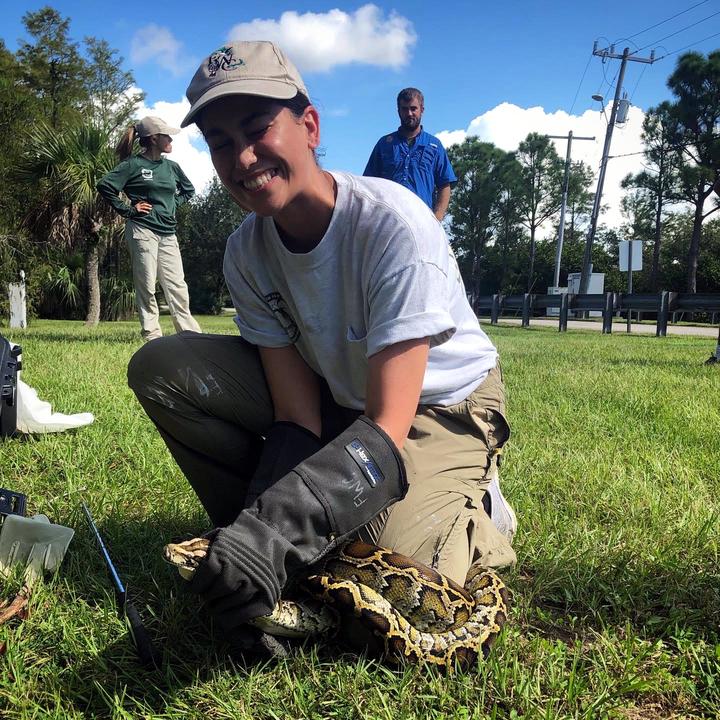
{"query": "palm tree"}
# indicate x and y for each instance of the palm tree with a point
(65, 166)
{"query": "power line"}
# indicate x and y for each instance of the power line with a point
(605, 81)
(623, 40)
(642, 72)
(677, 32)
(662, 22)
(641, 152)
(697, 42)
(590, 57)
(679, 146)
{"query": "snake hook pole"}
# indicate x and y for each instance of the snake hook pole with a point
(146, 650)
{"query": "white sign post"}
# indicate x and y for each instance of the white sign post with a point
(18, 306)
(630, 255)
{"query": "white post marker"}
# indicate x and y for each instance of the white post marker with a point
(630, 256)
(18, 305)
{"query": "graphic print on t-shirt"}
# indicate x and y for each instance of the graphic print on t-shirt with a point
(280, 311)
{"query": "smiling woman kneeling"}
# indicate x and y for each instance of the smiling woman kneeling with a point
(362, 397)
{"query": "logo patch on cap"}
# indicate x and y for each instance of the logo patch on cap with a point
(223, 59)
(365, 461)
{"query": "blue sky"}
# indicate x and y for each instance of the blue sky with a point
(495, 69)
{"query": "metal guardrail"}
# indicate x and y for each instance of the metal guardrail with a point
(663, 303)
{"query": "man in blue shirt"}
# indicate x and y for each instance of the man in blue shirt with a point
(414, 158)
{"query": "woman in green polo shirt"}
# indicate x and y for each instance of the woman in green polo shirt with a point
(155, 187)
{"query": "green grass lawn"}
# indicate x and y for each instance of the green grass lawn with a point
(614, 471)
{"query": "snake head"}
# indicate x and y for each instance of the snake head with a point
(186, 556)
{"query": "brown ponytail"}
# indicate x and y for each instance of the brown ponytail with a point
(124, 148)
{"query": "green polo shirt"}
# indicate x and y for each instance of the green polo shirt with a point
(162, 183)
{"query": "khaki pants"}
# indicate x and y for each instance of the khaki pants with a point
(157, 258)
(208, 397)
(450, 457)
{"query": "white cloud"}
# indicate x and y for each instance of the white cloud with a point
(321, 41)
(195, 161)
(507, 125)
(452, 137)
(337, 112)
(158, 44)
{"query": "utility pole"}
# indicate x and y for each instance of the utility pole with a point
(563, 206)
(625, 57)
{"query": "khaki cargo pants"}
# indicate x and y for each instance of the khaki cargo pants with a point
(156, 258)
(208, 397)
(450, 457)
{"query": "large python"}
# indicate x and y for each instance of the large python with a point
(383, 601)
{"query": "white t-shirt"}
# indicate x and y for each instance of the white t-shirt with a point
(383, 273)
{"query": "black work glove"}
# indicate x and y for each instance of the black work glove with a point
(249, 645)
(286, 445)
(297, 520)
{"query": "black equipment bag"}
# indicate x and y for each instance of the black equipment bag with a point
(9, 366)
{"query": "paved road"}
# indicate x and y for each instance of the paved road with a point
(619, 326)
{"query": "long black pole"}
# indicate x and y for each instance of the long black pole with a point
(587, 255)
(146, 651)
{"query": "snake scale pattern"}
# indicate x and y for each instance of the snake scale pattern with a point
(380, 600)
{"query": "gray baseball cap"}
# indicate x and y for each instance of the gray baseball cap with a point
(243, 68)
(151, 125)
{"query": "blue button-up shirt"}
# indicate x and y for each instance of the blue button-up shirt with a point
(422, 168)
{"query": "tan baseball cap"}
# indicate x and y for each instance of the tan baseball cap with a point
(151, 125)
(243, 68)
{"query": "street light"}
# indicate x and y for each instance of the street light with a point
(601, 100)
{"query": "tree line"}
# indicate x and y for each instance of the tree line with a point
(63, 107)
(503, 200)
(64, 104)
